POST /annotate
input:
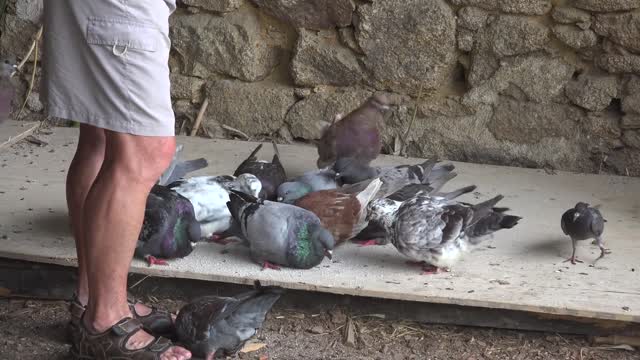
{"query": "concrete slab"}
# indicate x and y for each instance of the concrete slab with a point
(521, 269)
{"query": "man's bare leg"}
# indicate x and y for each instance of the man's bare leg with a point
(82, 173)
(114, 211)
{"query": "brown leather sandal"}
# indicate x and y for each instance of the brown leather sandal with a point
(157, 322)
(111, 344)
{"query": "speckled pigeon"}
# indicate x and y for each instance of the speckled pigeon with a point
(310, 181)
(279, 233)
(583, 222)
(7, 87)
(209, 196)
(271, 174)
(169, 230)
(435, 232)
(375, 234)
(216, 327)
(355, 135)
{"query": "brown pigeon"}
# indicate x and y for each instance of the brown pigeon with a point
(357, 135)
(343, 214)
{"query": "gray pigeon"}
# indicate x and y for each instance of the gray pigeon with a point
(375, 234)
(280, 234)
(7, 87)
(356, 135)
(583, 222)
(434, 231)
(215, 327)
(209, 196)
(310, 181)
(178, 169)
(397, 177)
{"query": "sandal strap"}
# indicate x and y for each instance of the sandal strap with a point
(127, 326)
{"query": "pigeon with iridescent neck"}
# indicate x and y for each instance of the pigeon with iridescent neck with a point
(169, 229)
(280, 234)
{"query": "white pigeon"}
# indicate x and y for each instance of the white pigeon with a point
(209, 196)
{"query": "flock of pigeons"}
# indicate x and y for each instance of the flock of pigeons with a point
(298, 222)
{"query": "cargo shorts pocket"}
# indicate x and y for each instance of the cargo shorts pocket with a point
(123, 35)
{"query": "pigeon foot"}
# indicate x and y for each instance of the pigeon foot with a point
(573, 260)
(151, 260)
(366, 243)
(220, 239)
(427, 269)
(268, 265)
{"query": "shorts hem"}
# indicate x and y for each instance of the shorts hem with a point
(84, 118)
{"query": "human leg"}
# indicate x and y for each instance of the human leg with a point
(114, 211)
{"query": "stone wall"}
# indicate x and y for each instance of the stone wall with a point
(534, 83)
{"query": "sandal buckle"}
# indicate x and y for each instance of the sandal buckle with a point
(126, 326)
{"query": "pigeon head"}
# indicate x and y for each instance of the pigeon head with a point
(381, 211)
(249, 184)
(290, 191)
(380, 102)
(321, 240)
(8, 67)
(581, 208)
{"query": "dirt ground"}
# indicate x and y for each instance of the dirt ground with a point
(33, 329)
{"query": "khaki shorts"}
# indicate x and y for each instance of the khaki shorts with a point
(106, 64)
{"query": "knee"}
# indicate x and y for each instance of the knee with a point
(144, 162)
(92, 142)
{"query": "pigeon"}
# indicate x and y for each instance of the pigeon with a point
(397, 177)
(356, 135)
(434, 231)
(375, 234)
(209, 196)
(271, 174)
(280, 234)
(178, 169)
(7, 87)
(583, 222)
(310, 181)
(169, 230)
(343, 214)
(216, 327)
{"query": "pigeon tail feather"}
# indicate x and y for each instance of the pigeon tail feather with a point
(456, 193)
(437, 183)
(370, 192)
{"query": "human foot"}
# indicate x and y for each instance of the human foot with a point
(124, 340)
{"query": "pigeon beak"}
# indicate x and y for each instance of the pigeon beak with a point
(329, 254)
(280, 198)
(576, 216)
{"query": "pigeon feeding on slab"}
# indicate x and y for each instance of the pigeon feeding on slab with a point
(271, 174)
(280, 234)
(310, 181)
(583, 222)
(341, 213)
(355, 135)
(375, 234)
(435, 232)
(209, 196)
(214, 326)
(169, 230)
